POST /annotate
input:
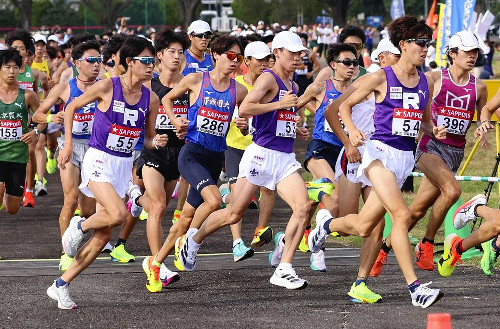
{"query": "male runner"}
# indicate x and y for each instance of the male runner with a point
(87, 60)
(107, 165)
(347, 168)
(196, 59)
(15, 104)
(457, 95)
(269, 162)
(402, 108)
(213, 96)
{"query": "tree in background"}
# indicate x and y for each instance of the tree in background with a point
(188, 10)
(338, 10)
(106, 11)
(24, 8)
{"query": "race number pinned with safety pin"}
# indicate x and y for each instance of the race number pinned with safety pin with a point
(84, 121)
(123, 139)
(212, 122)
(406, 122)
(456, 121)
(11, 130)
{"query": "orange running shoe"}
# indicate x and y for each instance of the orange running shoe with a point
(378, 266)
(425, 256)
(28, 200)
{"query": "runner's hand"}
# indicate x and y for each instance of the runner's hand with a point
(483, 128)
(356, 137)
(288, 100)
(303, 133)
(299, 120)
(161, 140)
(58, 117)
(241, 123)
(439, 132)
(64, 156)
(352, 154)
(180, 123)
(28, 137)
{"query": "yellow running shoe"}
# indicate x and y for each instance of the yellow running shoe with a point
(177, 216)
(119, 254)
(51, 165)
(143, 215)
(78, 212)
(362, 294)
(262, 236)
(303, 246)
(65, 262)
(447, 262)
(152, 270)
(178, 244)
(314, 188)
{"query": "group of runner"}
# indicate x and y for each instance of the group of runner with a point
(136, 118)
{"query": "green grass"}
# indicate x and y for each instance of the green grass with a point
(482, 164)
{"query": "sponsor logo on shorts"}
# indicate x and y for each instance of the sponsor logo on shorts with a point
(258, 158)
(254, 172)
(152, 164)
(96, 174)
(201, 183)
(350, 172)
(379, 149)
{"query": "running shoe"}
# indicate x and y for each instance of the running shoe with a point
(134, 193)
(40, 189)
(28, 200)
(303, 246)
(186, 255)
(378, 266)
(107, 248)
(143, 215)
(223, 176)
(425, 256)
(318, 235)
(489, 258)
(177, 216)
(262, 236)
(447, 262)
(44, 181)
(287, 278)
(152, 270)
(253, 204)
(424, 296)
(224, 190)
(65, 262)
(175, 193)
(119, 254)
(467, 212)
(279, 244)
(320, 185)
(168, 277)
(72, 237)
(51, 165)
(61, 294)
(241, 252)
(77, 212)
(318, 261)
(362, 294)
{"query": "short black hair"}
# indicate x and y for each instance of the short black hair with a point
(112, 46)
(64, 46)
(81, 37)
(132, 47)
(167, 36)
(433, 65)
(408, 27)
(9, 55)
(303, 36)
(353, 31)
(20, 34)
(253, 37)
(52, 52)
(268, 38)
(81, 48)
(334, 50)
(223, 43)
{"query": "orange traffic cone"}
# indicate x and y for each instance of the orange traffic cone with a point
(366, 58)
(439, 321)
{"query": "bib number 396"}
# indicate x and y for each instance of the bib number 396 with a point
(456, 121)
(406, 122)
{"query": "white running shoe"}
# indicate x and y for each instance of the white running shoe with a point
(61, 294)
(318, 235)
(168, 277)
(287, 278)
(134, 193)
(107, 248)
(318, 261)
(424, 296)
(467, 212)
(72, 237)
(279, 244)
(40, 189)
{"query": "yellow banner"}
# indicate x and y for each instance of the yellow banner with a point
(440, 58)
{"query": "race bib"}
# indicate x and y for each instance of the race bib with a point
(11, 130)
(327, 126)
(286, 124)
(456, 121)
(162, 120)
(122, 139)
(212, 122)
(83, 123)
(406, 122)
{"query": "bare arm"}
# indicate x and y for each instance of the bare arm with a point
(493, 106)
(52, 99)
(427, 126)
(66, 75)
(325, 74)
(310, 95)
(151, 140)
(316, 65)
(32, 104)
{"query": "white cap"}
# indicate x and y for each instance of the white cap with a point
(276, 25)
(260, 23)
(290, 41)
(268, 32)
(53, 38)
(293, 29)
(464, 40)
(235, 27)
(257, 49)
(374, 57)
(385, 45)
(199, 26)
(39, 37)
(336, 27)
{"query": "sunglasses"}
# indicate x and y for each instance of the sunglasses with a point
(348, 62)
(59, 56)
(110, 63)
(358, 46)
(231, 55)
(420, 42)
(91, 59)
(206, 35)
(145, 60)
